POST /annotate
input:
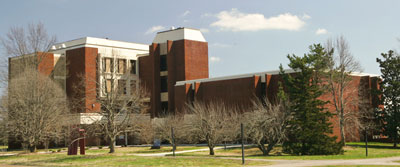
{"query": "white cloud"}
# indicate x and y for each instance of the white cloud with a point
(204, 30)
(220, 45)
(185, 13)
(321, 31)
(306, 16)
(235, 20)
(214, 59)
(154, 29)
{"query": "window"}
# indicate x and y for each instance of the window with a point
(108, 85)
(121, 66)
(163, 62)
(107, 65)
(122, 86)
(133, 86)
(164, 84)
(133, 66)
(164, 106)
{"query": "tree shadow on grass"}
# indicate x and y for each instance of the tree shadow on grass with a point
(373, 146)
(63, 159)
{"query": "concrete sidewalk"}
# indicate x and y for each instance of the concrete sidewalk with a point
(180, 152)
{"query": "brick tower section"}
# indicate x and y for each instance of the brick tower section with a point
(185, 59)
(81, 83)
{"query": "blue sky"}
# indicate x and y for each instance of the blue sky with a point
(244, 36)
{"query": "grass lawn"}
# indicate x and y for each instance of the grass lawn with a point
(352, 151)
(122, 157)
(144, 150)
(360, 166)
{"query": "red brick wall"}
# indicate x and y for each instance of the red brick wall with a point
(82, 80)
(186, 60)
(145, 73)
(196, 60)
(155, 98)
(46, 63)
(241, 92)
(233, 92)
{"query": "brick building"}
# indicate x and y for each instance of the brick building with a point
(174, 69)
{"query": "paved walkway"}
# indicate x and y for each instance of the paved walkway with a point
(180, 152)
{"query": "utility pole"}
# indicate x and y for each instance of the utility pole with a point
(173, 141)
(242, 134)
(366, 143)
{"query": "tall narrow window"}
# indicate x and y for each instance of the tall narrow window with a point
(121, 66)
(122, 86)
(164, 84)
(133, 66)
(163, 63)
(107, 65)
(108, 85)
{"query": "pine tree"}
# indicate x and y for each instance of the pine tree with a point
(390, 94)
(310, 130)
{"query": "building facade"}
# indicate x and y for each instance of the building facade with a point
(173, 69)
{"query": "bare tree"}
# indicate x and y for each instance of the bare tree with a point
(36, 108)
(341, 65)
(164, 125)
(3, 119)
(267, 123)
(31, 43)
(121, 98)
(209, 122)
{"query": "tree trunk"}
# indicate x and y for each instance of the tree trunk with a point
(112, 145)
(341, 126)
(32, 148)
(174, 146)
(46, 145)
(270, 147)
(262, 148)
(395, 140)
(211, 150)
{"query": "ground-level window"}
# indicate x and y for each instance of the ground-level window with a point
(133, 86)
(122, 86)
(108, 85)
(164, 106)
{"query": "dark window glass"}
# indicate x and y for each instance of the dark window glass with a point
(164, 106)
(163, 62)
(133, 66)
(164, 84)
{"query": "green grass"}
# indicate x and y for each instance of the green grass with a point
(61, 159)
(352, 151)
(124, 157)
(361, 166)
(143, 150)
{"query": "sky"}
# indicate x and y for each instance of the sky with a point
(243, 36)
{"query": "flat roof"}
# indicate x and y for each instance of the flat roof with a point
(179, 34)
(273, 72)
(99, 42)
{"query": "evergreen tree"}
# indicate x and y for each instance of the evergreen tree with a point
(390, 94)
(310, 130)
